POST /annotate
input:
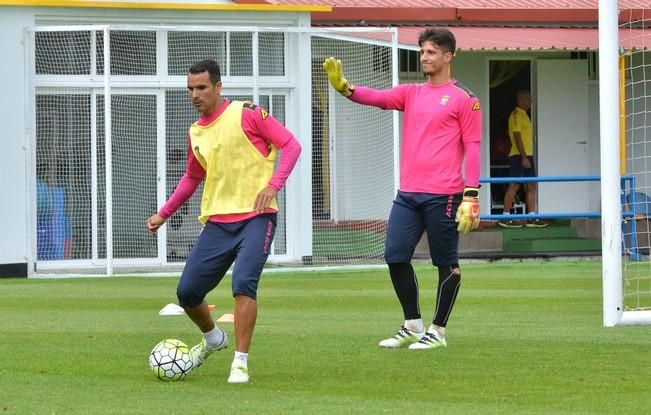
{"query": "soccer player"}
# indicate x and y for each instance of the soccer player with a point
(233, 146)
(521, 160)
(441, 127)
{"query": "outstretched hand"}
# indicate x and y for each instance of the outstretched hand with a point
(335, 72)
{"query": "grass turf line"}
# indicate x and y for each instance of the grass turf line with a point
(525, 338)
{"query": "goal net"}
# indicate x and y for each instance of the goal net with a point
(625, 133)
(354, 154)
(110, 122)
(635, 67)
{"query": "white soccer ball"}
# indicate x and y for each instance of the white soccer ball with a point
(170, 360)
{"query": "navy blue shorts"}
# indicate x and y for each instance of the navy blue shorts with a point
(246, 243)
(413, 213)
(516, 169)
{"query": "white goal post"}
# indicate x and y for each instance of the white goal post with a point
(626, 273)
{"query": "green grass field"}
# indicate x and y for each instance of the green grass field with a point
(525, 338)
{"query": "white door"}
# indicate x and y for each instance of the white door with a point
(562, 131)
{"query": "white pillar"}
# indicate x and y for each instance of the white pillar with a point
(611, 209)
(108, 151)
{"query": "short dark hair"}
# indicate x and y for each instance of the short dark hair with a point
(207, 65)
(522, 91)
(443, 38)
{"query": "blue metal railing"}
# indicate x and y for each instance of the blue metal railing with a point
(627, 187)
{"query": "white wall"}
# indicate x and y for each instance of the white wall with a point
(61, 15)
(13, 156)
(594, 145)
(471, 68)
(17, 232)
(562, 132)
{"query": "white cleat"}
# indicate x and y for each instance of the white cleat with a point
(239, 374)
(201, 351)
(430, 340)
(403, 338)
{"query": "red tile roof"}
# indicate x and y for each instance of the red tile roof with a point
(516, 38)
(470, 4)
(530, 38)
(361, 12)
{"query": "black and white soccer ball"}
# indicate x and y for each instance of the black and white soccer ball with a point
(170, 360)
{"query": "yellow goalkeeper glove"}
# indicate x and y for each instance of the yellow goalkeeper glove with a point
(335, 73)
(468, 212)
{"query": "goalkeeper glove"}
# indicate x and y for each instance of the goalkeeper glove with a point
(335, 73)
(468, 211)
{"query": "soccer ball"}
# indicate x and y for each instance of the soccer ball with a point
(170, 360)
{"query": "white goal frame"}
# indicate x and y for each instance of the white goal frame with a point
(614, 313)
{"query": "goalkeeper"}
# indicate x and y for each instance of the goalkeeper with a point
(442, 125)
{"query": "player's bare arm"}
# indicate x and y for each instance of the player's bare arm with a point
(518, 143)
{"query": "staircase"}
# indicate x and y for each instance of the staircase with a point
(558, 237)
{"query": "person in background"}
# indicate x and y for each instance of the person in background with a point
(521, 161)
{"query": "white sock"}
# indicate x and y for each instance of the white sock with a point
(436, 329)
(240, 359)
(214, 337)
(415, 325)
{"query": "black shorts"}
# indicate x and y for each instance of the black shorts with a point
(516, 169)
(246, 243)
(413, 213)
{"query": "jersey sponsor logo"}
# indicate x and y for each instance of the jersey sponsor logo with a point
(448, 208)
(267, 238)
(251, 106)
(444, 100)
(476, 106)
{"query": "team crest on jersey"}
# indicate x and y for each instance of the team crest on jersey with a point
(476, 106)
(444, 100)
(251, 106)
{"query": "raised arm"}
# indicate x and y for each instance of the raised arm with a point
(386, 99)
(334, 70)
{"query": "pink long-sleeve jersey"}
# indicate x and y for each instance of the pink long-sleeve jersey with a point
(262, 130)
(442, 124)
